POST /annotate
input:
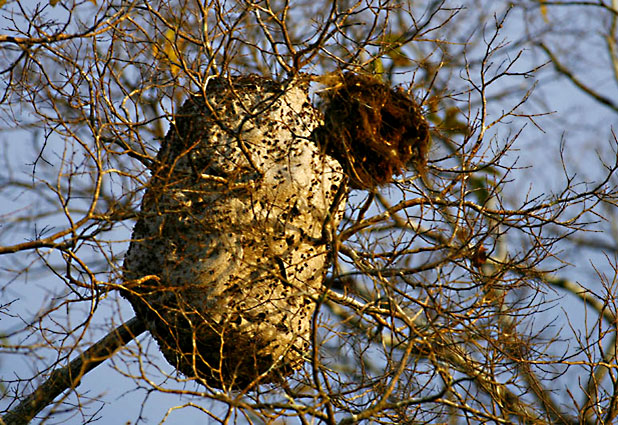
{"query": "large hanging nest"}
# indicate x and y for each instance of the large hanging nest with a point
(373, 130)
(232, 228)
(228, 256)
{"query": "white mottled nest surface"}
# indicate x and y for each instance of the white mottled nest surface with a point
(232, 225)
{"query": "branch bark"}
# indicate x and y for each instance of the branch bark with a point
(70, 375)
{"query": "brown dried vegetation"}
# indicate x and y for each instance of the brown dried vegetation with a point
(373, 130)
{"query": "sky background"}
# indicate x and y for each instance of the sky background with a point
(582, 126)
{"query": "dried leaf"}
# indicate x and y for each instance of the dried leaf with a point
(168, 51)
(544, 11)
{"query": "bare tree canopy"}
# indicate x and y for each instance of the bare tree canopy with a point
(269, 212)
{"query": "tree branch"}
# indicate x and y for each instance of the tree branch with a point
(70, 375)
(563, 70)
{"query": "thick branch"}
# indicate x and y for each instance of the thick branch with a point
(70, 375)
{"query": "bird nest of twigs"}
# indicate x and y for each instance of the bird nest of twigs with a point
(373, 130)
